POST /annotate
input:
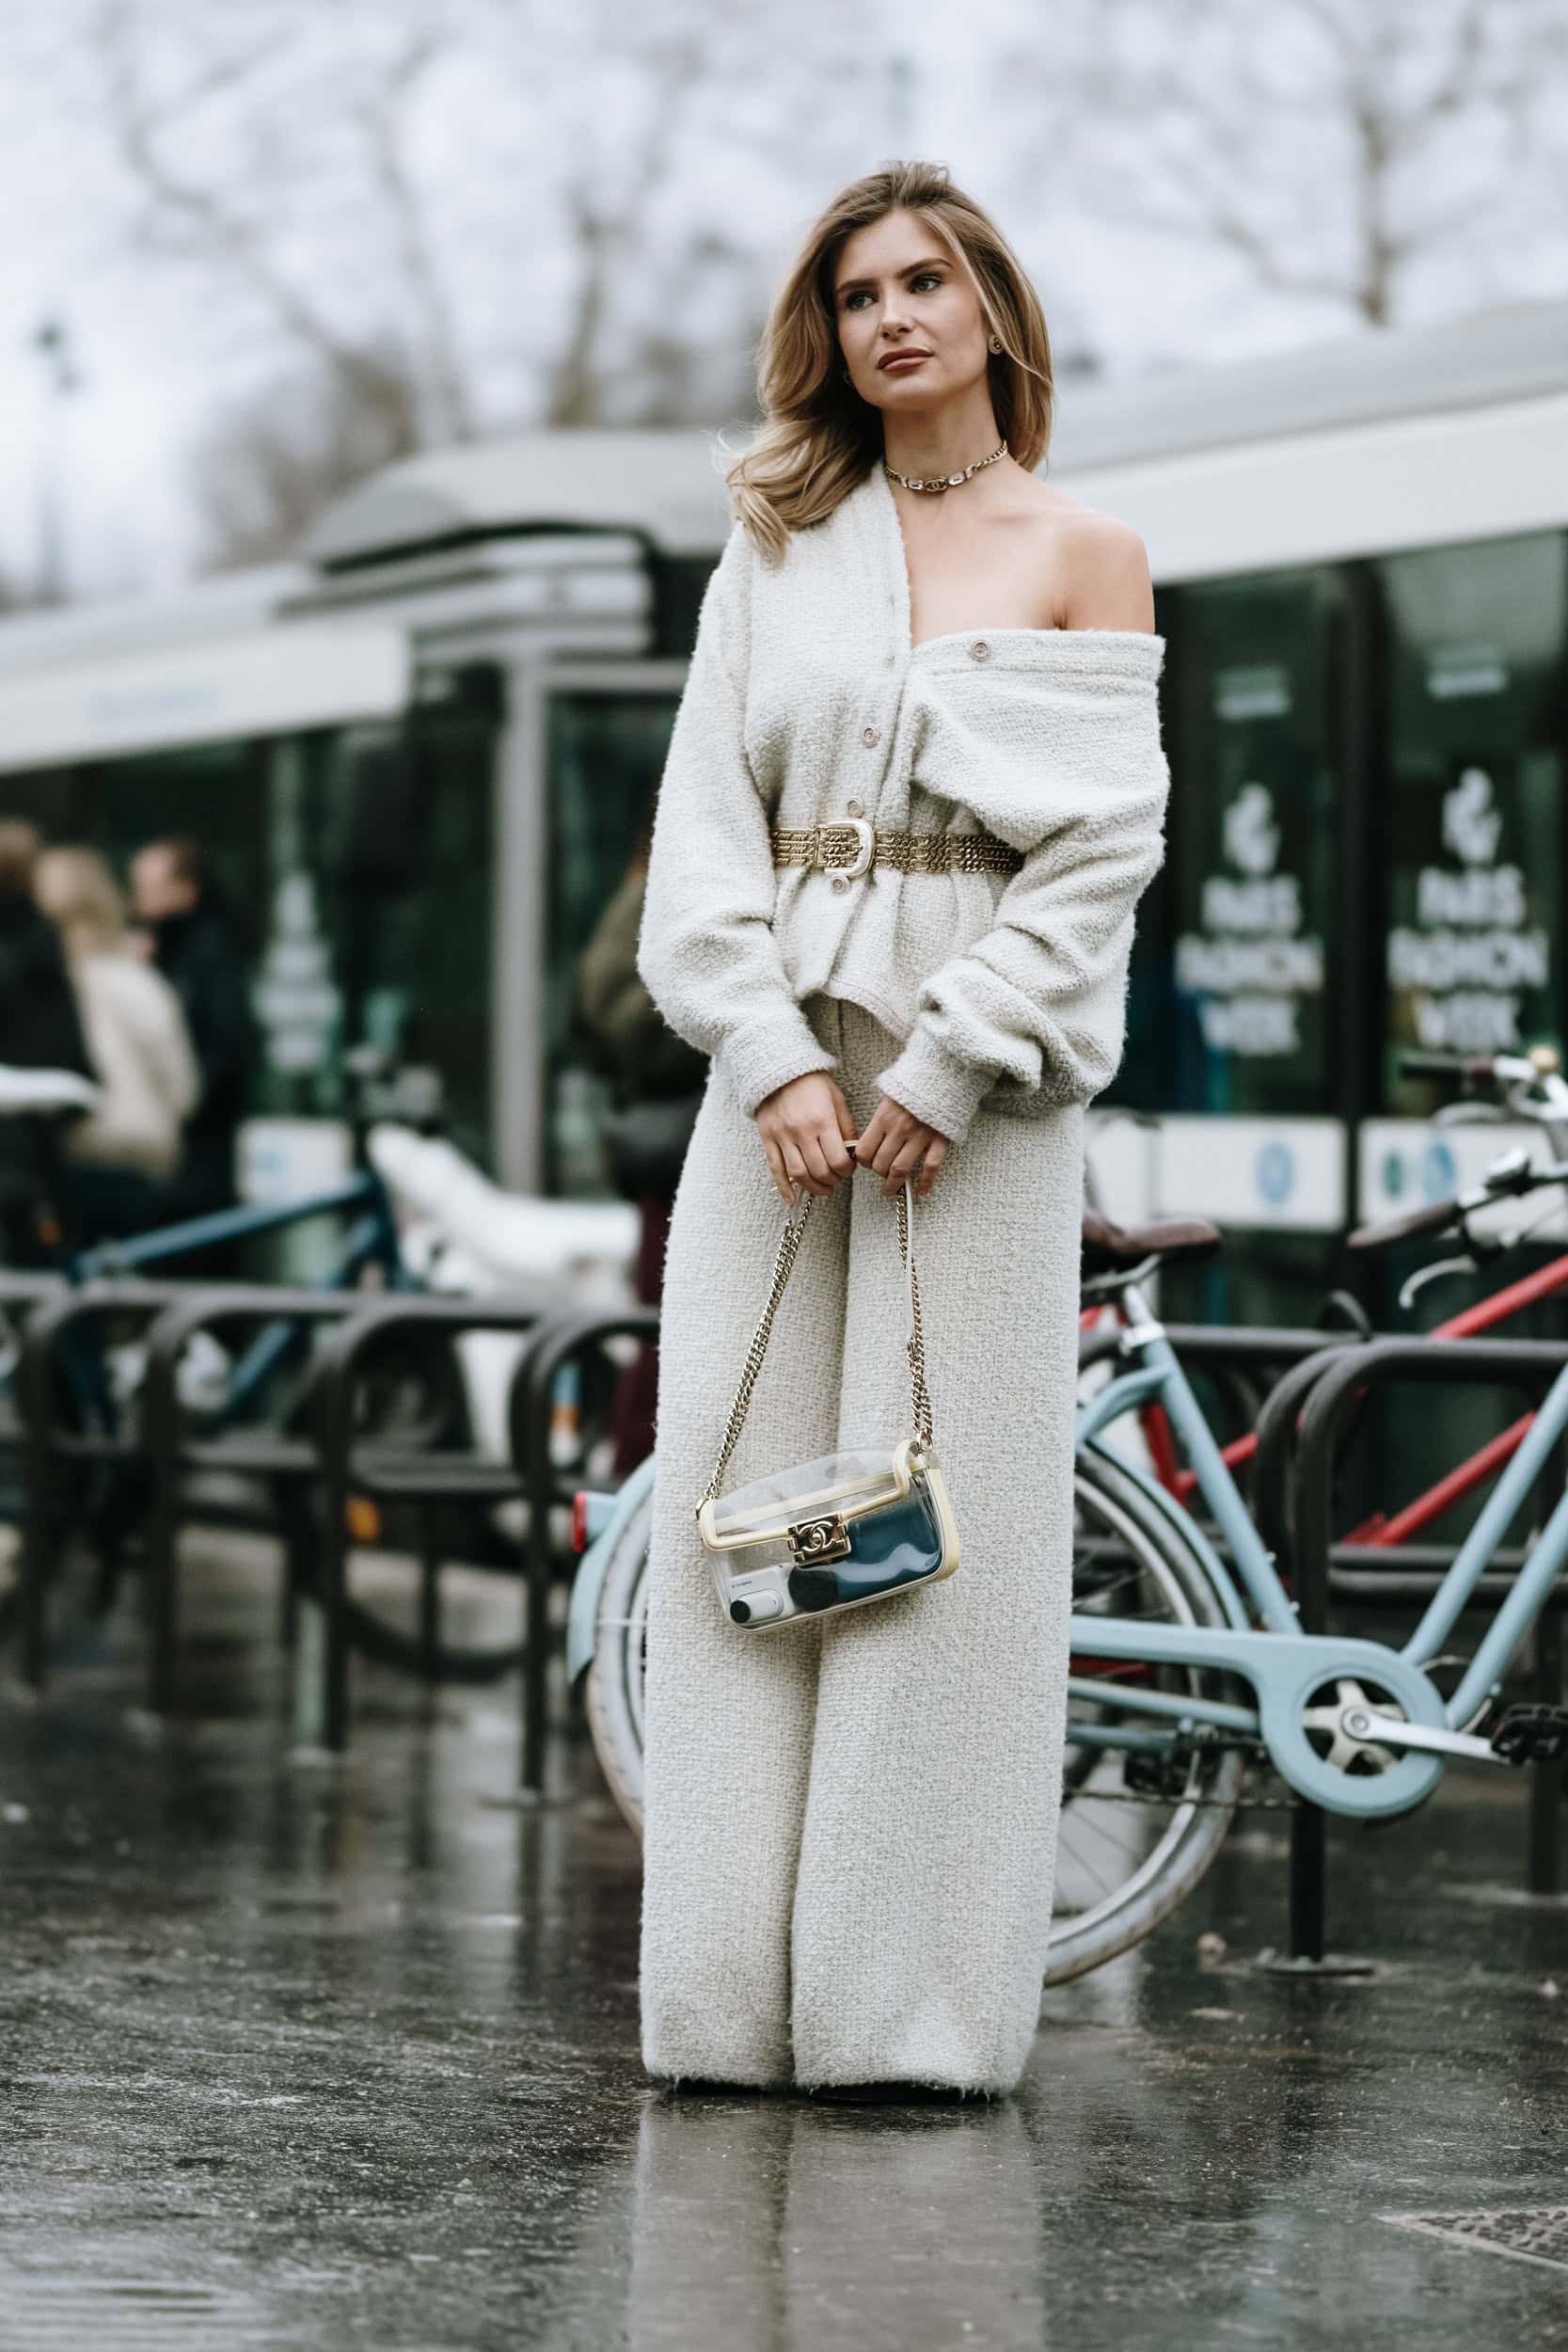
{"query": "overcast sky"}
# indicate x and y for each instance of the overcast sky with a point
(150, 361)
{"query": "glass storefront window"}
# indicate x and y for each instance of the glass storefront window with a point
(606, 753)
(1474, 825)
(382, 851)
(1254, 839)
(358, 865)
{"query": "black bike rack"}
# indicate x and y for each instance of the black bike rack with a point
(1274, 1464)
(174, 1453)
(20, 1295)
(529, 1414)
(47, 1447)
(1247, 1345)
(351, 1464)
(1322, 1568)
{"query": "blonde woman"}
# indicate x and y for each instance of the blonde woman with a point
(137, 1038)
(851, 1822)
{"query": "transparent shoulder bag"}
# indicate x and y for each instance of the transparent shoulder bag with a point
(843, 1530)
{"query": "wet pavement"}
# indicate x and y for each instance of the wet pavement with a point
(298, 2054)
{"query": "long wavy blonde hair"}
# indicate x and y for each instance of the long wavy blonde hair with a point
(76, 890)
(818, 437)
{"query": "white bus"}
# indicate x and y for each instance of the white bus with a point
(422, 754)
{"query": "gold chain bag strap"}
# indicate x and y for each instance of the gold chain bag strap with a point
(849, 1528)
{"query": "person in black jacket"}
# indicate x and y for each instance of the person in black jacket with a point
(40, 1029)
(197, 948)
(657, 1081)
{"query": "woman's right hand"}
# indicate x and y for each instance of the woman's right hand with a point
(806, 1132)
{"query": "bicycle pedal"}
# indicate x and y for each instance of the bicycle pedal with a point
(1530, 1734)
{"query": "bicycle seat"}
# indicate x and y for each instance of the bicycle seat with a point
(513, 1236)
(1116, 1249)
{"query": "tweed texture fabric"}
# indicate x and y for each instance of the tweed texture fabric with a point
(850, 1824)
(807, 704)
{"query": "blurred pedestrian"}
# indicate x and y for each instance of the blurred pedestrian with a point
(40, 1029)
(657, 1081)
(196, 947)
(115, 1158)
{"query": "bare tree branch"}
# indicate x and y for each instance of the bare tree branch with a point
(272, 459)
(673, 67)
(1190, 131)
(381, 119)
(215, 226)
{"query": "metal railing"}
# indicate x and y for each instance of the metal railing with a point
(351, 1464)
(64, 1463)
(177, 1447)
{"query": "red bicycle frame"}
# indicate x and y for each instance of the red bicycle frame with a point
(1426, 1508)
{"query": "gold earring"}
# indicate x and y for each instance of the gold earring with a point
(996, 342)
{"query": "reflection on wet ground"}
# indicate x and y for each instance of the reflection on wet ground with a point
(303, 2055)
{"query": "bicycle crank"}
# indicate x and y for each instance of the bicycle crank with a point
(1368, 1730)
(1355, 1734)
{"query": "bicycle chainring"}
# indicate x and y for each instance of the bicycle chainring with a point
(1323, 1719)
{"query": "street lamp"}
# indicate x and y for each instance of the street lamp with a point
(51, 340)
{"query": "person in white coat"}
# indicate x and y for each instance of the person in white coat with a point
(915, 791)
(137, 1038)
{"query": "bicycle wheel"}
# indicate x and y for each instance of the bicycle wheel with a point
(615, 1674)
(1125, 1858)
(1127, 1854)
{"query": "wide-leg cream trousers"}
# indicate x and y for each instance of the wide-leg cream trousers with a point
(851, 1824)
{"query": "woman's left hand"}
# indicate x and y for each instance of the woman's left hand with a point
(893, 1143)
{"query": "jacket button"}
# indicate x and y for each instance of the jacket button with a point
(871, 737)
(839, 882)
(980, 650)
(855, 809)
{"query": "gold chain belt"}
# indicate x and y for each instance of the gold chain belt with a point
(854, 847)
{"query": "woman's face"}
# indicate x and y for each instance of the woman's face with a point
(900, 297)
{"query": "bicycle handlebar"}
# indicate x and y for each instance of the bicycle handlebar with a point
(1541, 1061)
(1430, 1219)
(1445, 1066)
(1509, 1180)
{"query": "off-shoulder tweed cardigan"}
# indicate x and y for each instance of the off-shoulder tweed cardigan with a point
(806, 704)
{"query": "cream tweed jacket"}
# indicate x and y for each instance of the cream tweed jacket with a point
(805, 705)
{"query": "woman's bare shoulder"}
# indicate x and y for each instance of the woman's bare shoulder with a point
(1095, 565)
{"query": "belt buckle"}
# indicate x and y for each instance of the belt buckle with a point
(865, 847)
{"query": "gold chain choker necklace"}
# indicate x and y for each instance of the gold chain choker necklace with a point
(945, 481)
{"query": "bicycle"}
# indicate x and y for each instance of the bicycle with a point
(1527, 1088)
(415, 1398)
(1188, 1670)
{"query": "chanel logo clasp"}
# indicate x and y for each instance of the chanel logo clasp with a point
(816, 1540)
